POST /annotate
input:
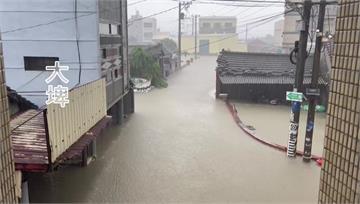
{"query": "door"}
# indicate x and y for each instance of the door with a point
(204, 47)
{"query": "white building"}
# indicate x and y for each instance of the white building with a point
(89, 36)
(141, 29)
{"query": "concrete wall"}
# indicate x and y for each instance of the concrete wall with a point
(213, 21)
(53, 34)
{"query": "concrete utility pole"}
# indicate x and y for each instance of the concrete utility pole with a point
(314, 91)
(179, 36)
(246, 32)
(299, 78)
(196, 35)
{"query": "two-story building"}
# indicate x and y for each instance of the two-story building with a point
(141, 29)
(215, 33)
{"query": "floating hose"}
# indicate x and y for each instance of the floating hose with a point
(234, 113)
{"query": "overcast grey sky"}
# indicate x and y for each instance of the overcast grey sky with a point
(168, 21)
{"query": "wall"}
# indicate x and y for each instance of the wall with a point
(7, 170)
(66, 125)
(216, 43)
(48, 28)
(340, 173)
(212, 29)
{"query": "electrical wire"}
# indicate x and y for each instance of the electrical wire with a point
(152, 15)
(77, 35)
(260, 21)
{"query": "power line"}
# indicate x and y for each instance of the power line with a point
(44, 24)
(152, 15)
(240, 5)
(260, 21)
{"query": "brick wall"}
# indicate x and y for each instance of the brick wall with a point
(7, 176)
(340, 174)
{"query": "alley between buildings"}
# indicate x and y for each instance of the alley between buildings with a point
(182, 145)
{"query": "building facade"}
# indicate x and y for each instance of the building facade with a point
(293, 24)
(260, 77)
(89, 36)
(278, 32)
(215, 34)
(217, 25)
(141, 29)
(340, 174)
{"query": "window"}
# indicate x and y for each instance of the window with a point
(121, 52)
(148, 25)
(206, 25)
(114, 29)
(38, 63)
(103, 53)
(228, 25)
(217, 27)
(116, 73)
(104, 29)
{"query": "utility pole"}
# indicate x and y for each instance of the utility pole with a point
(313, 92)
(179, 35)
(246, 32)
(196, 35)
(299, 78)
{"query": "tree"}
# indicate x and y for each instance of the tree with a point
(145, 66)
(169, 44)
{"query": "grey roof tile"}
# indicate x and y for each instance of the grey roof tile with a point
(260, 68)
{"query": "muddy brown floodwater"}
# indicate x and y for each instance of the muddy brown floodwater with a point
(182, 145)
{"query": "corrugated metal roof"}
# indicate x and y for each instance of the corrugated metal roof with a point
(28, 137)
(260, 68)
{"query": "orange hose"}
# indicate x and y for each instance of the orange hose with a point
(234, 113)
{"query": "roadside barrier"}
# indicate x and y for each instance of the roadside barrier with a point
(232, 109)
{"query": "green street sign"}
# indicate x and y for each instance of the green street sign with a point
(294, 96)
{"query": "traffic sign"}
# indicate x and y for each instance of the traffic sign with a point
(294, 96)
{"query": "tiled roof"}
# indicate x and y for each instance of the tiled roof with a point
(22, 102)
(260, 68)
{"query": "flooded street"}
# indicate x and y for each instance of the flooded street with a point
(182, 145)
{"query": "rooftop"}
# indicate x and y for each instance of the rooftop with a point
(260, 68)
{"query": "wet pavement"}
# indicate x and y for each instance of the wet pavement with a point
(182, 145)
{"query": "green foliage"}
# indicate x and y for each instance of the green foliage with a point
(145, 66)
(169, 44)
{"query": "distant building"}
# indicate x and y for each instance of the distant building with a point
(215, 34)
(209, 44)
(293, 24)
(187, 26)
(141, 29)
(263, 45)
(260, 77)
(278, 33)
(217, 25)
